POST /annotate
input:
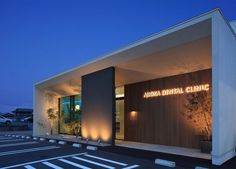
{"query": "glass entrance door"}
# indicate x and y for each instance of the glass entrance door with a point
(120, 119)
(70, 115)
(120, 113)
(64, 116)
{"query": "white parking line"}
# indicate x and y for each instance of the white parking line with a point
(2, 137)
(28, 150)
(38, 161)
(18, 144)
(107, 160)
(11, 140)
(74, 164)
(93, 162)
(29, 167)
(5, 138)
(52, 165)
(132, 166)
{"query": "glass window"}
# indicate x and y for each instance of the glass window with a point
(70, 115)
(77, 104)
(77, 115)
(64, 115)
(120, 92)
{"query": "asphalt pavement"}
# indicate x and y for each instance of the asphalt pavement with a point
(26, 152)
(17, 152)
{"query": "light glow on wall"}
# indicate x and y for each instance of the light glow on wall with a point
(133, 115)
(105, 134)
(96, 133)
(84, 132)
(177, 91)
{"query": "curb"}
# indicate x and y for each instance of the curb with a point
(52, 141)
(165, 163)
(93, 148)
(42, 139)
(62, 142)
(76, 145)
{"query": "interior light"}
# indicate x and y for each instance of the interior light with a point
(77, 107)
(119, 95)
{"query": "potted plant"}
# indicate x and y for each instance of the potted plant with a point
(198, 110)
(51, 117)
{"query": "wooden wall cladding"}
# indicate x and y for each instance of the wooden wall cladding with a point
(159, 119)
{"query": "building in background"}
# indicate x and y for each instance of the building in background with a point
(9, 115)
(23, 112)
(176, 88)
(19, 113)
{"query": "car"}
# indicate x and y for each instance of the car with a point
(27, 119)
(5, 120)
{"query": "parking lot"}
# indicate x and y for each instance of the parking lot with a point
(18, 152)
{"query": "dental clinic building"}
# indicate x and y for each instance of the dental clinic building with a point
(172, 88)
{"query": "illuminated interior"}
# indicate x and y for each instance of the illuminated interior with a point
(70, 115)
(120, 113)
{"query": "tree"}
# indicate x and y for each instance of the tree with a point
(199, 111)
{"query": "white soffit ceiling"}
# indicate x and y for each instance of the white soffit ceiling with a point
(181, 59)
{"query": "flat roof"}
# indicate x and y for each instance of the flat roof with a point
(122, 54)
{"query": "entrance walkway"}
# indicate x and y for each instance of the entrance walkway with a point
(189, 152)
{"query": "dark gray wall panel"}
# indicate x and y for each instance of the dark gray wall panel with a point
(98, 105)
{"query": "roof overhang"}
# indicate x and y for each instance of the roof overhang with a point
(191, 30)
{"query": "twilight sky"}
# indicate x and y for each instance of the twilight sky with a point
(40, 38)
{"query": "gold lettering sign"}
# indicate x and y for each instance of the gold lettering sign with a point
(176, 91)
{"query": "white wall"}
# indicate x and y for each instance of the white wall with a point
(42, 102)
(233, 25)
(224, 90)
